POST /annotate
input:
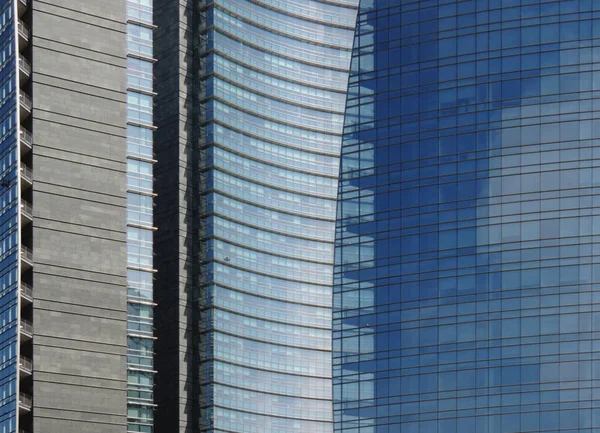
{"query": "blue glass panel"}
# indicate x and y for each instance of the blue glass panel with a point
(465, 275)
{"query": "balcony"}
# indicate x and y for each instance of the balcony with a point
(26, 258)
(22, 5)
(23, 35)
(26, 212)
(26, 177)
(25, 104)
(26, 141)
(26, 329)
(24, 69)
(25, 402)
(25, 365)
(26, 292)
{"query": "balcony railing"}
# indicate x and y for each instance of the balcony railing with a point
(25, 400)
(23, 30)
(25, 363)
(24, 65)
(26, 172)
(26, 137)
(26, 293)
(25, 100)
(26, 253)
(27, 289)
(27, 326)
(26, 208)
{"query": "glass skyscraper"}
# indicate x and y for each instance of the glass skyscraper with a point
(275, 93)
(255, 138)
(468, 225)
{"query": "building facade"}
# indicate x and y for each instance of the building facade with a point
(250, 111)
(75, 316)
(78, 231)
(466, 275)
(251, 97)
(140, 227)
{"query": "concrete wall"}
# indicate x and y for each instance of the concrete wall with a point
(79, 199)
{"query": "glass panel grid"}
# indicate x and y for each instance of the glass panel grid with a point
(140, 407)
(271, 136)
(466, 276)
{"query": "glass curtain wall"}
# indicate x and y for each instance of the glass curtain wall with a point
(140, 372)
(272, 98)
(468, 224)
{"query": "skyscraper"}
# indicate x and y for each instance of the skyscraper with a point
(76, 197)
(250, 105)
(249, 111)
(466, 269)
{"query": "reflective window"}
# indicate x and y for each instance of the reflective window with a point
(274, 83)
(464, 274)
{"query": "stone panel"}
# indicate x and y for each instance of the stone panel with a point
(79, 199)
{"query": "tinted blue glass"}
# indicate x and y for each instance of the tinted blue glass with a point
(465, 274)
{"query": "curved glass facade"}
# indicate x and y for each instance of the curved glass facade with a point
(468, 220)
(273, 99)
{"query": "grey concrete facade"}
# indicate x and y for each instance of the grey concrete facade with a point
(174, 317)
(79, 198)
